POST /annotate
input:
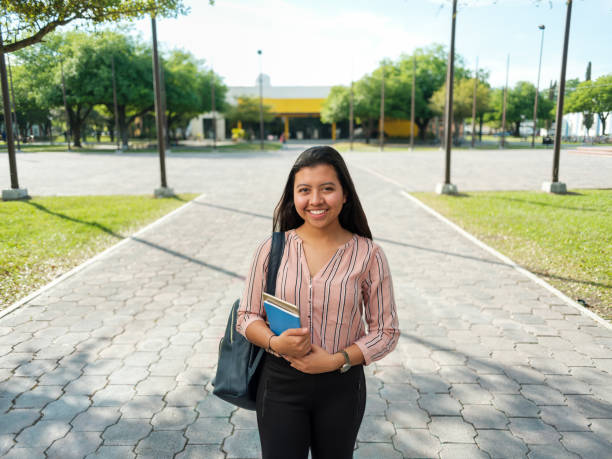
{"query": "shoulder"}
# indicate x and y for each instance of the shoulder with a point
(370, 251)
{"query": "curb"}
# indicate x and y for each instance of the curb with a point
(92, 260)
(584, 311)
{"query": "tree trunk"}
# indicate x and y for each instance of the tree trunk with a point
(480, 129)
(517, 129)
(603, 122)
(422, 124)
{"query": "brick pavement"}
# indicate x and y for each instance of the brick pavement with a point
(116, 361)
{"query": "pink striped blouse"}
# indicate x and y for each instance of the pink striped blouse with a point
(332, 304)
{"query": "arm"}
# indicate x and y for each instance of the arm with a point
(380, 310)
(252, 316)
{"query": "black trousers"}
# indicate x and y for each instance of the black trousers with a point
(297, 411)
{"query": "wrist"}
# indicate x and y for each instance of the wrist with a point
(338, 361)
(270, 341)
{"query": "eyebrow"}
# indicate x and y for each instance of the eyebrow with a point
(322, 184)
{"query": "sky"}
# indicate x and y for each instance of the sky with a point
(331, 42)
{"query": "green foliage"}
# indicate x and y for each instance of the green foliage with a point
(463, 99)
(592, 97)
(247, 111)
(563, 238)
(28, 21)
(337, 105)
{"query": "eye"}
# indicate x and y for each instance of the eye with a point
(329, 188)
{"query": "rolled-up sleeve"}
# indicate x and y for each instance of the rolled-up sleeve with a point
(251, 307)
(380, 310)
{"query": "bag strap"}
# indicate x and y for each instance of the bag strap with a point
(276, 253)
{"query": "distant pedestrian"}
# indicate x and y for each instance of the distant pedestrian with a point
(312, 392)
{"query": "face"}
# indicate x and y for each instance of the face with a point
(318, 195)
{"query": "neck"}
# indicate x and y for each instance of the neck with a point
(331, 234)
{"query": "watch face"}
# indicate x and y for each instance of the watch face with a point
(344, 368)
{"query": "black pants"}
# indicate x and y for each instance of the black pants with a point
(298, 411)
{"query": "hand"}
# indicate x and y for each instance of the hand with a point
(317, 361)
(293, 342)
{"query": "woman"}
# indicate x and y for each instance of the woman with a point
(311, 391)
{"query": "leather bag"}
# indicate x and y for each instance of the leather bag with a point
(237, 367)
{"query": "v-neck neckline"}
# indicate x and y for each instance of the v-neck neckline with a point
(326, 265)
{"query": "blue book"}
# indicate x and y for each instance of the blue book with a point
(281, 315)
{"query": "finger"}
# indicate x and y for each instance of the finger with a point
(296, 331)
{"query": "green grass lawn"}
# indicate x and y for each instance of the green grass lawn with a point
(140, 147)
(564, 239)
(47, 236)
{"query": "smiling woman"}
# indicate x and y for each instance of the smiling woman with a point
(341, 284)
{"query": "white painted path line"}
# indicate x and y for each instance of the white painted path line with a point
(95, 258)
(492, 251)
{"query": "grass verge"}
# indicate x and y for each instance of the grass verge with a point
(44, 237)
(145, 148)
(564, 239)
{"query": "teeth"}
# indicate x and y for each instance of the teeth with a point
(317, 212)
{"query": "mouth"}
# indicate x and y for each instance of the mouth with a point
(317, 212)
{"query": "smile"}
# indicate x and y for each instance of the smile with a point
(317, 212)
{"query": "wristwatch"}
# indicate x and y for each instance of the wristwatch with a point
(347, 362)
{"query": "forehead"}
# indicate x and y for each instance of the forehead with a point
(321, 173)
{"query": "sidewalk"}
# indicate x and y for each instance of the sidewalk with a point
(116, 361)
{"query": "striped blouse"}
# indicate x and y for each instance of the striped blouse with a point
(356, 282)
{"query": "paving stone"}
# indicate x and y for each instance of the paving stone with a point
(376, 450)
(208, 431)
(161, 443)
(590, 406)
(407, 415)
(484, 417)
(375, 405)
(213, 406)
(113, 395)
(533, 431)
(102, 367)
(542, 395)
(244, 419)
(591, 375)
(416, 443)
(458, 450)
(501, 444)
(471, 394)
(173, 418)
(43, 433)
(499, 384)
(126, 432)
(452, 429)
(243, 444)
(515, 405)
(26, 453)
(75, 445)
(201, 451)
(556, 451)
(60, 376)
(375, 428)
(439, 404)
(86, 385)
(66, 407)
(398, 392)
(568, 385)
(156, 385)
(587, 444)
(458, 374)
(141, 359)
(183, 395)
(95, 419)
(15, 420)
(429, 383)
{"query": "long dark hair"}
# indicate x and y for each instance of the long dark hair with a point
(352, 217)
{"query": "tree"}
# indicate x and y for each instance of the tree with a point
(28, 21)
(337, 105)
(592, 97)
(463, 97)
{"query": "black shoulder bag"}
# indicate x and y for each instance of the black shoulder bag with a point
(237, 376)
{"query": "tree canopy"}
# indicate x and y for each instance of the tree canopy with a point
(28, 21)
(592, 97)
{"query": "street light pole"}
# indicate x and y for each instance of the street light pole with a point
(13, 102)
(535, 103)
(555, 186)
(65, 105)
(351, 114)
(214, 116)
(381, 124)
(412, 102)
(447, 187)
(474, 104)
(163, 191)
(503, 134)
(115, 107)
(261, 123)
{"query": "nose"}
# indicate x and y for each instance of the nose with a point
(316, 198)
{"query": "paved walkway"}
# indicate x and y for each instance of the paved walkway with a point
(116, 361)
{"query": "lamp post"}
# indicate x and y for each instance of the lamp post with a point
(474, 104)
(261, 124)
(163, 191)
(115, 105)
(351, 114)
(381, 124)
(535, 102)
(555, 186)
(65, 105)
(213, 108)
(13, 102)
(447, 187)
(503, 134)
(412, 101)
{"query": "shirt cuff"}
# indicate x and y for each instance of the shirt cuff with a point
(367, 353)
(241, 327)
